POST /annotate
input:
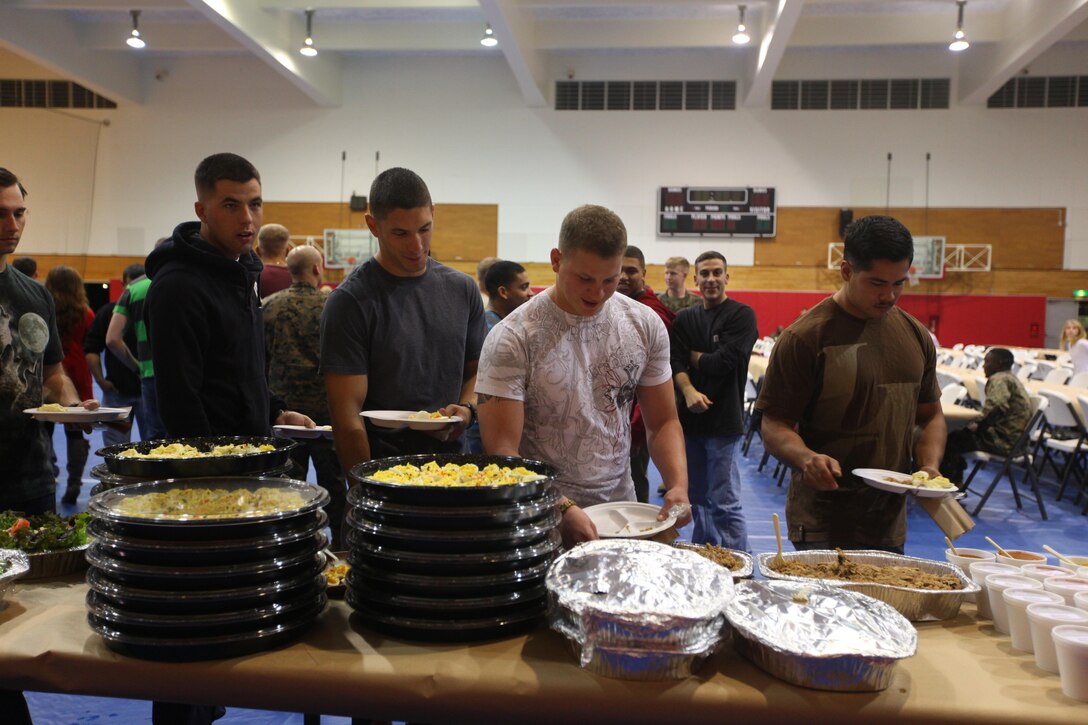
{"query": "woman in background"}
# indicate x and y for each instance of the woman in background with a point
(74, 318)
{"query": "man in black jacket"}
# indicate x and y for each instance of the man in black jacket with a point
(711, 344)
(204, 312)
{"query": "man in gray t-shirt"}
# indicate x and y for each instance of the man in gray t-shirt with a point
(403, 332)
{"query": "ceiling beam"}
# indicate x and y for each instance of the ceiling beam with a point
(275, 37)
(1032, 28)
(777, 30)
(516, 35)
(51, 40)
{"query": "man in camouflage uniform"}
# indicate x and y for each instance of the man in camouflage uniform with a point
(1005, 414)
(292, 320)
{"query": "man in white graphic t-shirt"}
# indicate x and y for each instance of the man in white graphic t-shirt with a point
(558, 377)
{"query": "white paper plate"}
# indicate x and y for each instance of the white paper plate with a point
(301, 432)
(80, 415)
(402, 419)
(875, 478)
(627, 520)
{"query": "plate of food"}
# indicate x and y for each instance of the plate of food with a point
(414, 419)
(301, 432)
(56, 413)
(627, 520)
(918, 483)
(336, 574)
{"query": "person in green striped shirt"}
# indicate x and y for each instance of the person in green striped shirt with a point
(129, 311)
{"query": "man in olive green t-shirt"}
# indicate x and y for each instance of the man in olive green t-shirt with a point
(845, 388)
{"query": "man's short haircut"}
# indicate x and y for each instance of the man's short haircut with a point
(877, 237)
(218, 167)
(26, 265)
(301, 258)
(710, 255)
(8, 178)
(273, 238)
(397, 188)
(1002, 358)
(636, 253)
(132, 271)
(593, 229)
(502, 273)
(678, 263)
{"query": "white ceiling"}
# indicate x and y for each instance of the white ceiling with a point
(84, 39)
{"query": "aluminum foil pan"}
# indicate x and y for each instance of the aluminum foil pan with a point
(654, 611)
(13, 564)
(917, 605)
(747, 563)
(818, 636)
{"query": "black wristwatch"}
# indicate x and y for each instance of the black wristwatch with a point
(471, 409)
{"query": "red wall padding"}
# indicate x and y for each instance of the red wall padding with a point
(1017, 320)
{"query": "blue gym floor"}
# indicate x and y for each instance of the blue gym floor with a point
(1000, 519)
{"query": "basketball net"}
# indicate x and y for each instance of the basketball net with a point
(912, 275)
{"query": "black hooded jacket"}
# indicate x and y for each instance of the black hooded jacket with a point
(207, 339)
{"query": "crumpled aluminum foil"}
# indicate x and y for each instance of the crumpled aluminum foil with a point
(15, 564)
(917, 605)
(818, 636)
(638, 609)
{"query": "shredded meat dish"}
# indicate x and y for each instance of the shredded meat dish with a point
(718, 555)
(844, 569)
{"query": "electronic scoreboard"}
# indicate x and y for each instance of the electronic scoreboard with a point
(703, 211)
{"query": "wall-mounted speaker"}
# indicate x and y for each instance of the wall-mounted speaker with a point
(358, 203)
(845, 217)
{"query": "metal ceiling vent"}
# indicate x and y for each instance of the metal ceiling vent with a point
(645, 95)
(860, 95)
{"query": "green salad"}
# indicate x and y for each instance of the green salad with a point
(44, 532)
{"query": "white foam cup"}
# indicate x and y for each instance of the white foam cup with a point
(1042, 618)
(1021, 557)
(964, 558)
(1071, 648)
(1080, 600)
(1045, 571)
(1067, 586)
(998, 583)
(979, 571)
(1016, 604)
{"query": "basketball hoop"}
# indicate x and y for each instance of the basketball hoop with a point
(912, 275)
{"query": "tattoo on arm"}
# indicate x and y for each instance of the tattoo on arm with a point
(482, 398)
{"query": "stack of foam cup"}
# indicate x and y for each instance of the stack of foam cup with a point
(1067, 586)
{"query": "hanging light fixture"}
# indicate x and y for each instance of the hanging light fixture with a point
(741, 37)
(308, 48)
(959, 38)
(489, 40)
(135, 40)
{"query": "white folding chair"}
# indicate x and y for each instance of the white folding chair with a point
(944, 379)
(1019, 455)
(1026, 371)
(1061, 415)
(1058, 376)
(958, 346)
(1080, 380)
(953, 393)
(1042, 369)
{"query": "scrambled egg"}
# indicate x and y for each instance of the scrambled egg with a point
(180, 450)
(431, 474)
(424, 415)
(51, 408)
(334, 575)
(921, 479)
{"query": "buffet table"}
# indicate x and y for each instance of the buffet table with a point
(963, 672)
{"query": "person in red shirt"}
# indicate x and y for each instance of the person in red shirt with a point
(74, 318)
(633, 284)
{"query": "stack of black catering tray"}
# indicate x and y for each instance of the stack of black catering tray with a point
(450, 564)
(170, 585)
